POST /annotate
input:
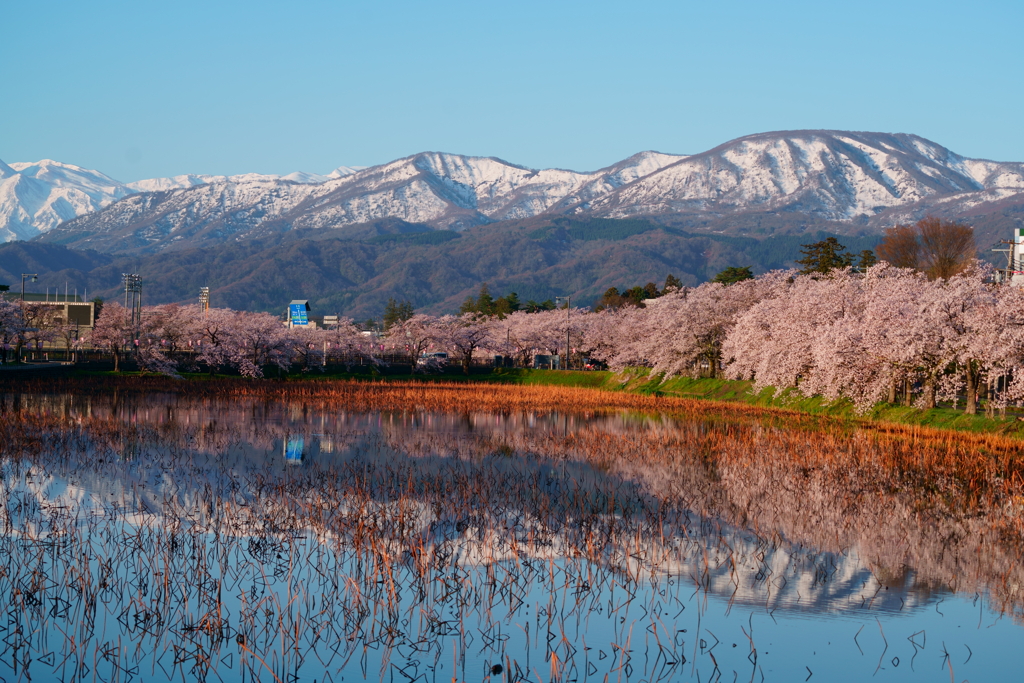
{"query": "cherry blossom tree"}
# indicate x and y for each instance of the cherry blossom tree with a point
(310, 344)
(605, 332)
(113, 333)
(414, 336)
(523, 334)
(11, 327)
(347, 343)
(840, 335)
(258, 340)
(684, 332)
(163, 337)
(966, 313)
(774, 341)
(462, 335)
(41, 323)
(1005, 346)
(211, 336)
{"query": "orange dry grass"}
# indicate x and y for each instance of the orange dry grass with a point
(823, 440)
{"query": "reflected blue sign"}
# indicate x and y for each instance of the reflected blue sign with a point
(293, 449)
(298, 314)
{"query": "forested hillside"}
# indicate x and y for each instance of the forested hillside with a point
(434, 270)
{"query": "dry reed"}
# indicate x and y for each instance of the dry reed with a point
(414, 552)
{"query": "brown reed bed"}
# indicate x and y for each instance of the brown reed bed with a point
(410, 539)
(977, 460)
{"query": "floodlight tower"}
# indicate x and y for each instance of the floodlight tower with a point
(133, 297)
(34, 277)
(204, 299)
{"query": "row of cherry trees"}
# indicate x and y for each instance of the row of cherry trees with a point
(887, 334)
(173, 338)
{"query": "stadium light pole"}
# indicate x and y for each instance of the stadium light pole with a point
(34, 277)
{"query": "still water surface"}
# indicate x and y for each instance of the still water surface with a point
(161, 538)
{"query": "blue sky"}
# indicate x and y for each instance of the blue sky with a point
(146, 89)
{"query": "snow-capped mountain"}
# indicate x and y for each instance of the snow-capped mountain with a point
(829, 174)
(37, 196)
(817, 175)
(443, 190)
(179, 182)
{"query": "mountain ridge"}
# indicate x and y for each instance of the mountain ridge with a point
(435, 270)
(803, 179)
(36, 196)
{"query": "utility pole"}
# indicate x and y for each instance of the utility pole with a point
(568, 308)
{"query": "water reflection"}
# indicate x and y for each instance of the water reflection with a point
(240, 539)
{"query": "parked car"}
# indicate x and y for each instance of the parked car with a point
(432, 361)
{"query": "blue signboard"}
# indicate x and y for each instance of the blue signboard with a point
(298, 314)
(293, 449)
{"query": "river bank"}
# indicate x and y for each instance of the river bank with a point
(637, 383)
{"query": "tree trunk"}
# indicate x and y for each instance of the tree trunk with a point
(971, 408)
(907, 393)
(892, 392)
(929, 393)
(117, 361)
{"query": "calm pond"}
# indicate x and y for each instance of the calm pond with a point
(158, 538)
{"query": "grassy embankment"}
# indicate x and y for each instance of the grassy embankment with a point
(735, 391)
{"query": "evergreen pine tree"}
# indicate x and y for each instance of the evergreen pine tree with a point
(824, 256)
(866, 260)
(734, 274)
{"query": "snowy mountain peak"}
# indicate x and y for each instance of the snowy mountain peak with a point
(833, 175)
(58, 174)
(343, 171)
(37, 196)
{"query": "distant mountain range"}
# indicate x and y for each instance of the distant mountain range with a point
(37, 196)
(770, 183)
(432, 227)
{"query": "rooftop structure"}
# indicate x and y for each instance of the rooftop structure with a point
(76, 311)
